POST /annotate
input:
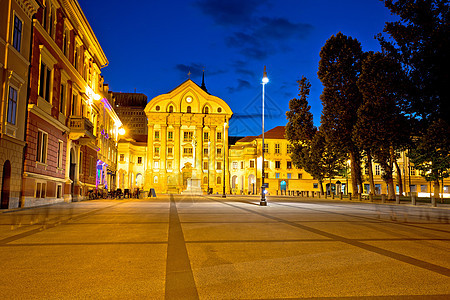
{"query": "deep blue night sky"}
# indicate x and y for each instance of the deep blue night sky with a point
(152, 45)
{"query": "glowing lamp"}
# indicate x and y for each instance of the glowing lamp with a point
(122, 131)
(97, 97)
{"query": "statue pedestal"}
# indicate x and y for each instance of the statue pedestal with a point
(193, 186)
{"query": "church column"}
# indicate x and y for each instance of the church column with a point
(212, 156)
(162, 155)
(198, 149)
(177, 154)
(149, 170)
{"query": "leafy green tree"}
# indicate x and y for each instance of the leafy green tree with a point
(432, 155)
(311, 151)
(339, 69)
(420, 41)
(381, 128)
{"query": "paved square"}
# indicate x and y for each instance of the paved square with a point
(184, 247)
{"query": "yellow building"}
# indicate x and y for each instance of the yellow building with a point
(187, 140)
(280, 174)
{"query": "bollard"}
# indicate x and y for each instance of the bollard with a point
(318, 194)
(332, 196)
(307, 193)
(383, 198)
(312, 194)
(340, 196)
(397, 199)
(359, 197)
(326, 195)
(433, 201)
(371, 197)
(350, 196)
(413, 200)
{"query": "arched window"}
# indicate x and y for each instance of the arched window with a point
(171, 109)
(188, 110)
(155, 179)
(206, 110)
(219, 181)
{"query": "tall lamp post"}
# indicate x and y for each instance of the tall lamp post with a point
(224, 195)
(209, 154)
(263, 201)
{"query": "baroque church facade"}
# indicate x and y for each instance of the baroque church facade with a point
(187, 143)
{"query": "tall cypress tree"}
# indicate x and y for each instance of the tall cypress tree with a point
(381, 128)
(339, 69)
(420, 41)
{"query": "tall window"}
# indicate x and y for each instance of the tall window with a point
(266, 164)
(289, 149)
(171, 109)
(139, 159)
(188, 109)
(205, 151)
(300, 176)
(81, 163)
(188, 135)
(377, 170)
(169, 151)
(12, 105)
(187, 151)
(412, 171)
(122, 157)
(205, 136)
(242, 164)
(219, 165)
(277, 164)
(252, 164)
(170, 135)
(75, 58)
(156, 135)
(206, 110)
(74, 104)
(156, 151)
(62, 98)
(277, 148)
(92, 166)
(60, 154)
(40, 189)
(266, 148)
(205, 165)
(66, 38)
(289, 165)
(17, 35)
(42, 142)
(219, 151)
(45, 82)
(235, 165)
(219, 136)
(219, 181)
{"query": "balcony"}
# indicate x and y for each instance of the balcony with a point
(80, 127)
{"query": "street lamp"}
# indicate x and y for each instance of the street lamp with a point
(224, 154)
(263, 201)
(209, 154)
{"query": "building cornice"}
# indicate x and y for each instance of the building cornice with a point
(33, 108)
(29, 7)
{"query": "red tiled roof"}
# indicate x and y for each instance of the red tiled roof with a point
(274, 133)
(246, 139)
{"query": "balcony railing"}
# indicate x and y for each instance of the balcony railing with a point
(81, 126)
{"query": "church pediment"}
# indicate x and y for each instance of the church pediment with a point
(188, 98)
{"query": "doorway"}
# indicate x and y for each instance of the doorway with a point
(6, 185)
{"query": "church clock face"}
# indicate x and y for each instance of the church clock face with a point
(189, 99)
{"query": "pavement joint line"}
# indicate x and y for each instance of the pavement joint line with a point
(46, 226)
(394, 255)
(369, 218)
(179, 283)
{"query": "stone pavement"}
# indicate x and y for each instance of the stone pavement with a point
(198, 247)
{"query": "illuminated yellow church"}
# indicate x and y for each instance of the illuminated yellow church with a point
(187, 141)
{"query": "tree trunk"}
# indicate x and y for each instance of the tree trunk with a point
(371, 182)
(321, 186)
(354, 172)
(391, 191)
(399, 178)
(436, 189)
